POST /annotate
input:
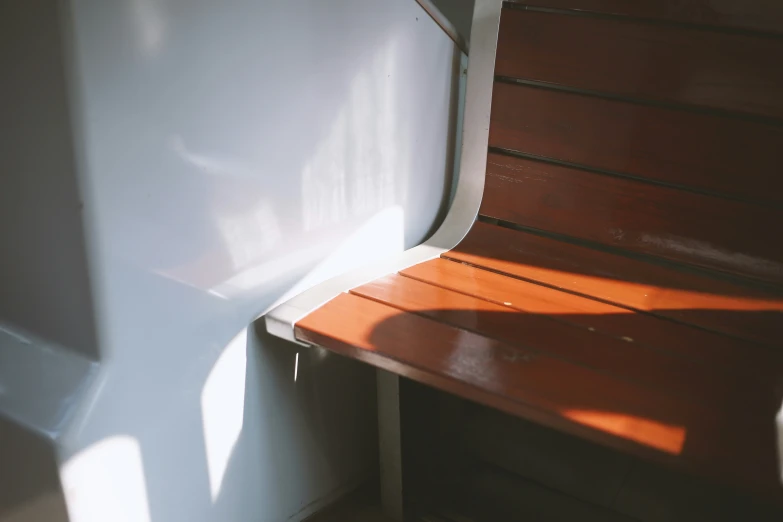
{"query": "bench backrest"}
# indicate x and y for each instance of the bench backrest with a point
(650, 127)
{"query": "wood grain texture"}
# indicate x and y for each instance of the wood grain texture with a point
(691, 228)
(688, 379)
(733, 72)
(713, 304)
(722, 155)
(700, 345)
(760, 15)
(731, 443)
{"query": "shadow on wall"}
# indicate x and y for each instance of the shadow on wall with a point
(309, 388)
(310, 398)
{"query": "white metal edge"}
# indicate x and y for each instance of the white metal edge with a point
(779, 430)
(281, 320)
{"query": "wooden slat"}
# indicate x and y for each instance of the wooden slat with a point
(761, 15)
(723, 155)
(639, 60)
(644, 329)
(686, 378)
(714, 304)
(724, 441)
(675, 224)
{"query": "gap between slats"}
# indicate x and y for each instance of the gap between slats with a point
(543, 333)
(713, 327)
(620, 322)
(686, 228)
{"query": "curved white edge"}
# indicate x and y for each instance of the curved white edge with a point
(281, 320)
(779, 429)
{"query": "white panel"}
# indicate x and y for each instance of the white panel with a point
(231, 153)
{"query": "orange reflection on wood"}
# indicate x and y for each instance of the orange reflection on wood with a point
(640, 296)
(719, 305)
(664, 437)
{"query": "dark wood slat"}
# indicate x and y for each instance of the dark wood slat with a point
(686, 378)
(717, 305)
(639, 60)
(761, 15)
(723, 441)
(738, 158)
(682, 226)
(711, 348)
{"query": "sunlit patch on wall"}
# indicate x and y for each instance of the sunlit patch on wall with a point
(381, 236)
(105, 481)
(223, 409)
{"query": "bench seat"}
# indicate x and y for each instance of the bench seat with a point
(623, 281)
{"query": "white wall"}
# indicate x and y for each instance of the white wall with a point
(223, 155)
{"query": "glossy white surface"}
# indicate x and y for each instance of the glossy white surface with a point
(223, 156)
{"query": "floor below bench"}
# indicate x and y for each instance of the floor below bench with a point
(467, 463)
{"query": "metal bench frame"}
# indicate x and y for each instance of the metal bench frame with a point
(280, 320)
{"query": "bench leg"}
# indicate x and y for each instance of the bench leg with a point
(390, 444)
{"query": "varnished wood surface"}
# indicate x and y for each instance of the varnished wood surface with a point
(716, 305)
(696, 229)
(726, 441)
(688, 379)
(671, 64)
(759, 15)
(737, 158)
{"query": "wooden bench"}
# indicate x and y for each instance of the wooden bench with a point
(624, 279)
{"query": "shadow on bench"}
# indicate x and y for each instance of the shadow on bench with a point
(624, 280)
